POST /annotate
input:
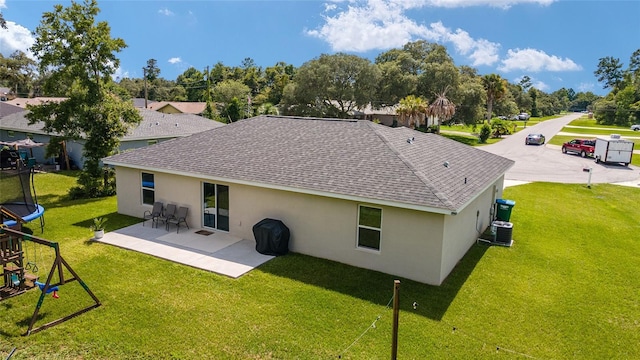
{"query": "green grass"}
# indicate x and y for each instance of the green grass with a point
(590, 129)
(566, 289)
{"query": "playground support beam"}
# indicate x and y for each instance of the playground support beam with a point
(58, 264)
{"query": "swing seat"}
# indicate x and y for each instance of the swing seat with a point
(15, 280)
(31, 278)
(53, 289)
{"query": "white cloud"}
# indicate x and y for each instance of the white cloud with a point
(480, 51)
(175, 60)
(119, 74)
(15, 37)
(2, 4)
(165, 12)
(585, 87)
(536, 60)
(382, 24)
(540, 85)
(504, 4)
(363, 27)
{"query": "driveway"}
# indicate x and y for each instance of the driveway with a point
(547, 162)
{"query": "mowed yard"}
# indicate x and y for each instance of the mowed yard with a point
(585, 128)
(567, 289)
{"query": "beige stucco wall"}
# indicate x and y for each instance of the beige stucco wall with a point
(463, 229)
(179, 190)
(326, 228)
(411, 244)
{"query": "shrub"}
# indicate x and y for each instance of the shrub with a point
(485, 132)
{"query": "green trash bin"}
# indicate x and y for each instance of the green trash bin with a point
(504, 206)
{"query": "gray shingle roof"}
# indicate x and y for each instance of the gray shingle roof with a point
(8, 109)
(154, 125)
(352, 158)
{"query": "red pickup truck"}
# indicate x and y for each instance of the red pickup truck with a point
(584, 147)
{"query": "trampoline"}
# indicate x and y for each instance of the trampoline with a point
(18, 195)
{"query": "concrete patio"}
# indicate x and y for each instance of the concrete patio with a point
(209, 250)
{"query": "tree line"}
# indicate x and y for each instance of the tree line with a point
(76, 59)
(335, 85)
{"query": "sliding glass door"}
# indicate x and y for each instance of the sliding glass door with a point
(215, 200)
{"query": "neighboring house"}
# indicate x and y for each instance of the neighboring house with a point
(177, 107)
(385, 115)
(155, 127)
(393, 200)
(23, 102)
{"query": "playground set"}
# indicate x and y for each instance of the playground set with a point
(18, 195)
(20, 273)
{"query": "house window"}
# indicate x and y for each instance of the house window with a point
(11, 133)
(152, 142)
(369, 227)
(148, 189)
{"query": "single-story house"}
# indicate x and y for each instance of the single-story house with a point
(393, 200)
(385, 115)
(23, 102)
(155, 127)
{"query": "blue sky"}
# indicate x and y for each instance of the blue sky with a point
(556, 43)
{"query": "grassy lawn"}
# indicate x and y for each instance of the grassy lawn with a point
(568, 288)
(588, 129)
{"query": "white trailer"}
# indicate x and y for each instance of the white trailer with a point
(613, 150)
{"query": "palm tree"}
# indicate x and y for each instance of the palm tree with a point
(496, 88)
(441, 108)
(411, 110)
(268, 109)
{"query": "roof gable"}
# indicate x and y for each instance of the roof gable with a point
(330, 156)
(183, 107)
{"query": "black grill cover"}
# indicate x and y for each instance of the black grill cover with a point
(272, 237)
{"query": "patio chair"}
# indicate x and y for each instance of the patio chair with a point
(153, 214)
(167, 214)
(179, 218)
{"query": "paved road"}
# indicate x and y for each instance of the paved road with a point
(548, 163)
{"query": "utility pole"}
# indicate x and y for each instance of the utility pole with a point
(208, 86)
(144, 71)
(396, 315)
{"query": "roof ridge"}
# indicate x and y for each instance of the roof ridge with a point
(439, 194)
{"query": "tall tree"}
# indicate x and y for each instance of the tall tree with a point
(194, 83)
(526, 83)
(496, 87)
(609, 72)
(3, 23)
(276, 78)
(152, 70)
(470, 93)
(18, 73)
(151, 73)
(394, 84)
(334, 85)
(80, 54)
(634, 63)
